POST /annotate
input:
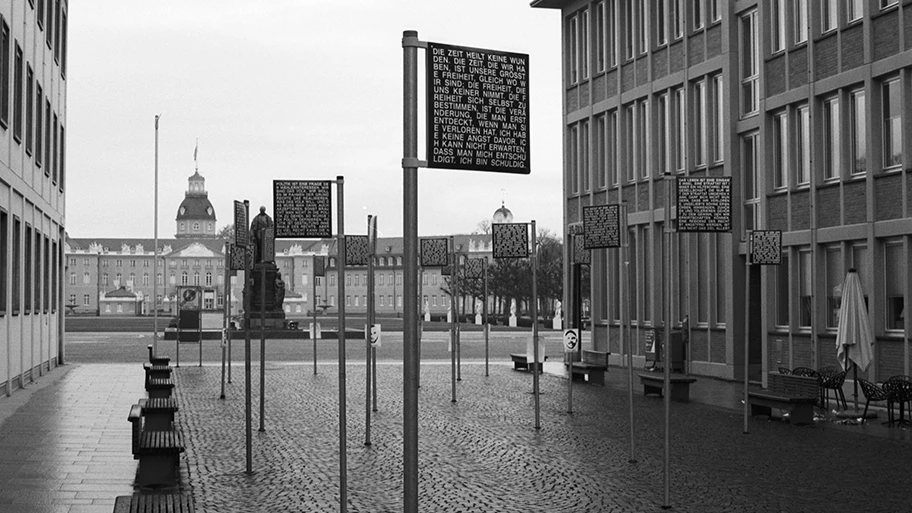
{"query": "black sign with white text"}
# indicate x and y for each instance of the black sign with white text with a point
(240, 224)
(478, 109)
(303, 209)
(766, 247)
(601, 227)
(704, 204)
(510, 240)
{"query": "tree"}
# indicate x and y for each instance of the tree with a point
(226, 233)
(483, 227)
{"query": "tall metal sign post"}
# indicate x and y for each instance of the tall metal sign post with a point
(303, 210)
(241, 216)
(511, 240)
(703, 205)
(477, 118)
(764, 248)
(436, 253)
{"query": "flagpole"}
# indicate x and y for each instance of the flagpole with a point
(155, 251)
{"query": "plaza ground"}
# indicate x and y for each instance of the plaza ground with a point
(65, 441)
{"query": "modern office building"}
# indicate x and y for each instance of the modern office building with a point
(804, 104)
(33, 91)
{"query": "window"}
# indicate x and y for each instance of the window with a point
(104, 279)
(629, 115)
(853, 10)
(859, 134)
(831, 142)
(661, 27)
(4, 259)
(27, 288)
(834, 280)
(805, 289)
(714, 10)
(72, 278)
(17, 96)
(642, 139)
(750, 64)
(29, 99)
(17, 266)
(584, 45)
(719, 274)
(703, 264)
(718, 153)
(612, 148)
(663, 145)
(698, 14)
(132, 280)
(801, 21)
(398, 278)
(38, 133)
(159, 279)
(888, 3)
(600, 146)
(4, 73)
(803, 138)
(892, 124)
(699, 121)
(208, 279)
(49, 32)
(633, 282)
(145, 279)
(780, 150)
(751, 181)
(777, 33)
(573, 159)
(348, 280)
(47, 139)
(86, 300)
(86, 278)
(40, 18)
(895, 275)
(680, 141)
(196, 278)
(332, 280)
(573, 45)
(642, 14)
(828, 15)
(185, 280)
(677, 21)
(612, 32)
(782, 291)
(63, 43)
(584, 170)
(600, 37)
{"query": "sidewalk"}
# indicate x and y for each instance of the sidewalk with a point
(65, 446)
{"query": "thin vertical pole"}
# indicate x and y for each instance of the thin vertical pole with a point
(666, 351)
(368, 332)
(199, 324)
(410, 369)
(484, 302)
(155, 249)
(456, 312)
(314, 309)
(626, 342)
(248, 302)
(262, 240)
(340, 266)
(228, 310)
(373, 350)
(226, 330)
(453, 315)
(538, 365)
(747, 293)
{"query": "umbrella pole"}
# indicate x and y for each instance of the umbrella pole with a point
(855, 383)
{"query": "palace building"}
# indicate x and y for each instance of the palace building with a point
(804, 104)
(33, 92)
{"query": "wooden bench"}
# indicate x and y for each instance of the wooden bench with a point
(521, 362)
(797, 394)
(158, 413)
(158, 360)
(594, 364)
(160, 503)
(156, 371)
(159, 387)
(654, 383)
(158, 452)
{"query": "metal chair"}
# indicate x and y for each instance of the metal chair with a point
(831, 380)
(804, 371)
(898, 390)
(785, 370)
(874, 393)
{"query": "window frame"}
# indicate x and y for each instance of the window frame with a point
(780, 149)
(858, 126)
(802, 145)
(801, 22)
(831, 138)
(896, 141)
(750, 58)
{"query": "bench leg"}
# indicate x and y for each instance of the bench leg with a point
(597, 378)
(758, 409)
(680, 392)
(650, 389)
(157, 469)
(802, 414)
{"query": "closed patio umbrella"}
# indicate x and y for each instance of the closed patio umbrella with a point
(854, 338)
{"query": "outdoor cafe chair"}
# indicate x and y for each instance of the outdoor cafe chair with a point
(804, 371)
(832, 380)
(872, 392)
(898, 390)
(784, 370)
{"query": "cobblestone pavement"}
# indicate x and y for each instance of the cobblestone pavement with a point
(482, 454)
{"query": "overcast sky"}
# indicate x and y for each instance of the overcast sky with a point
(286, 89)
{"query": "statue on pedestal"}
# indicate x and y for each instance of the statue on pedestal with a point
(279, 291)
(258, 227)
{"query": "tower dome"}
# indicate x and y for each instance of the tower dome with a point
(195, 215)
(502, 215)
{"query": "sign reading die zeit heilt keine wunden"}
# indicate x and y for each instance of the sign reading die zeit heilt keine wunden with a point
(478, 109)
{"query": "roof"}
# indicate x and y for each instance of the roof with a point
(548, 4)
(121, 292)
(195, 206)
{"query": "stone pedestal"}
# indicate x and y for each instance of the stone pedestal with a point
(275, 315)
(478, 319)
(427, 316)
(556, 323)
(512, 321)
